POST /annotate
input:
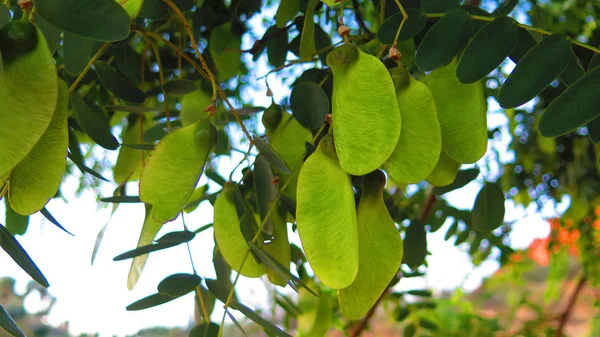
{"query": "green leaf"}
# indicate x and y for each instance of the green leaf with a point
(127, 61)
(420, 142)
(15, 223)
(84, 168)
(484, 53)
(177, 285)
(50, 218)
(179, 87)
(286, 11)
(444, 172)
(154, 10)
(271, 156)
(277, 45)
(36, 179)
(309, 104)
(20, 256)
(463, 177)
(505, 7)
(4, 15)
(415, 245)
(420, 293)
(380, 250)
(224, 48)
(538, 68)
(235, 322)
(572, 72)
(117, 84)
(149, 230)
(329, 235)
(194, 105)
(175, 238)
(594, 130)
(322, 41)
(220, 290)
(461, 110)
(94, 124)
(132, 7)
(438, 6)
(307, 39)
(414, 25)
(444, 40)
(205, 330)
(269, 327)
(575, 107)
(51, 33)
(594, 62)
(102, 20)
(266, 190)
(488, 210)
(8, 324)
(149, 302)
(524, 44)
(29, 84)
(146, 147)
(409, 331)
(196, 198)
(179, 160)
(77, 52)
(122, 199)
(366, 122)
(129, 161)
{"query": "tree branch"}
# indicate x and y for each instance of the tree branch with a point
(571, 304)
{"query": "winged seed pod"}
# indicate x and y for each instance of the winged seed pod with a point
(380, 250)
(366, 116)
(37, 177)
(279, 247)
(229, 237)
(326, 217)
(28, 84)
(420, 143)
(444, 172)
(174, 168)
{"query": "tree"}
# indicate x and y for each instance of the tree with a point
(397, 97)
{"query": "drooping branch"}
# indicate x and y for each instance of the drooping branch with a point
(564, 317)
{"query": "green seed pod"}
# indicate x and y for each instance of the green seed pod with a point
(420, 142)
(326, 217)
(444, 172)
(379, 250)
(279, 247)
(366, 116)
(193, 106)
(17, 38)
(229, 237)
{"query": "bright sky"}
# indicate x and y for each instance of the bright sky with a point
(93, 298)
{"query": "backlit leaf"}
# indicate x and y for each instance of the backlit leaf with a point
(444, 40)
(193, 106)
(129, 161)
(28, 84)
(224, 47)
(488, 210)
(132, 7)
(307, 39)
(174, 168)
(102, 20)
(366, 122)
(536, 70)
(326, 217)
(444, 172)
(147, 235)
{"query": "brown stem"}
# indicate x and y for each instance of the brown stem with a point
(571, 304)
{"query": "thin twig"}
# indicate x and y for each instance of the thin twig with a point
(571, 304)
(161, 76)
(89, 66)
(362, 325)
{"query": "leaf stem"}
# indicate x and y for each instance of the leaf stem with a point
(161, 76)
(520, 25)
(201, 303)
(88, 66)
(404, 19)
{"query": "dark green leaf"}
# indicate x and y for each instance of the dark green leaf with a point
(50, 218)
(409, 331)
(177, 285)
(158, 131)
(167, 241)
(20, 256)
(415, 245)
(179, 87)
(277, 45)
(488, 210)
(414, 25)
(428, 324)
(270, 155)
(8, 324)
(95, 126)
(289, 203)
(122, 199)
(575, 107)
(127, 61)
(266, 190)
(203, 228)
(438, 6)
(220, 290)
(117, 84)
(421, 293)
(505, 7)
(154, 10)
(149, 302)
(477, 24)
(525, 43)
(177, 237)
(594, 62)
(463, 177)
(4, 15)
(135, 109)
(15, 223)
(402, 314)
(451, 231)
(538, 68)
(143, 147)
(572, 72)
(51, 33)
(102, 20)
(594, 130)
(269, 327)
(214, 176)
(322, 40)
(444, 40)
(309, 104)
(235, 322)
(77, 52)
(484, 54)
(84, 168)
(204, 330)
